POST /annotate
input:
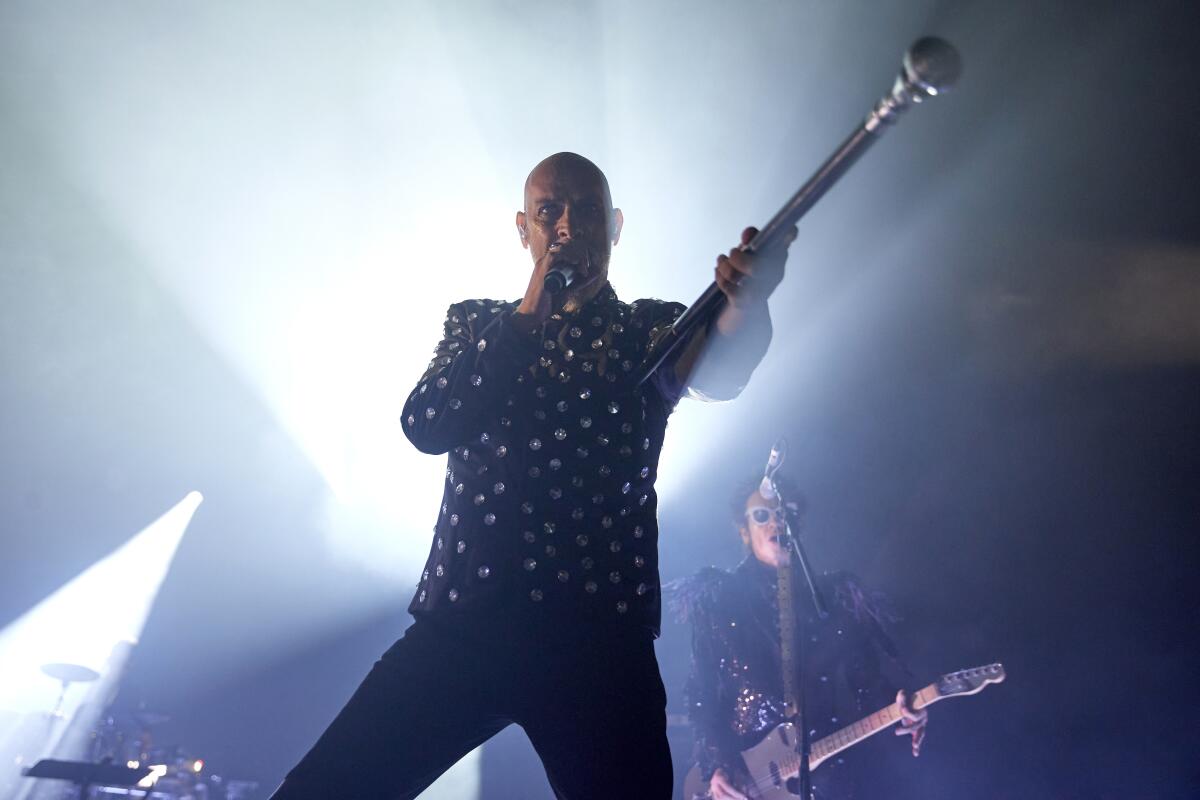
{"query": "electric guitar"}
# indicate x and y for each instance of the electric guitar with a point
(775, 761)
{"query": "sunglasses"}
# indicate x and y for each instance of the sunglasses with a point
(763, 515)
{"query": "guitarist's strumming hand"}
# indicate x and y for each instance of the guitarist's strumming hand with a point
(721, 789)
(912, 722)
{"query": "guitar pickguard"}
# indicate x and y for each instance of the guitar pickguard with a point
(772, 760)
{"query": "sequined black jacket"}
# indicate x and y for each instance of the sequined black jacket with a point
(553, 453)
(735, 688)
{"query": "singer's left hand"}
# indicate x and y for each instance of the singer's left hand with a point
(748, 279)
(912, 722)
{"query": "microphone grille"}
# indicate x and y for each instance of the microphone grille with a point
(933, 65)
(554, 282)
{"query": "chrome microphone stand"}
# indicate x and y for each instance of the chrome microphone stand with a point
(930, 67)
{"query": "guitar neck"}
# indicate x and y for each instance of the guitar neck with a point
(787, 637)
(851, 735)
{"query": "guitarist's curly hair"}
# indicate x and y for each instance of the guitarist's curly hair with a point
(796, 502)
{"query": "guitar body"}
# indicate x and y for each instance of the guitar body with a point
(774, 763)
(771, 762)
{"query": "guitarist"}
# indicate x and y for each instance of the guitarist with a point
(735, 692)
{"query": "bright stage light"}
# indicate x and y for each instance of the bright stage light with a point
(84, 619)
(91, 621)
(156, 772)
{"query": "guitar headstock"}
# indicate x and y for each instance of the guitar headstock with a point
(969, 681)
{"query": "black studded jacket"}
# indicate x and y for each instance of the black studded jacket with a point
(735, 689)
(553, 452)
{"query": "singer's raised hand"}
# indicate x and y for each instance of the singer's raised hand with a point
(748, 279)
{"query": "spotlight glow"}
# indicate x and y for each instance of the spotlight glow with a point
(90, 621)
(156, 772)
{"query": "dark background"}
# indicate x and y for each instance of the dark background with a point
(1001, 436)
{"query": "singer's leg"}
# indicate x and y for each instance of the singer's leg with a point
(599, 723)
(426, 703)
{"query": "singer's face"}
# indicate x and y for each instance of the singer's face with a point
(568, 207)
(762, 537)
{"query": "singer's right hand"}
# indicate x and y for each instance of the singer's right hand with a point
(537, 302)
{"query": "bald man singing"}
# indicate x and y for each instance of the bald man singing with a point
(539, 602)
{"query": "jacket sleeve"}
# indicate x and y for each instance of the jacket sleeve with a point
(708, 366)
(480, 355)
(876, 671)
(710, 705)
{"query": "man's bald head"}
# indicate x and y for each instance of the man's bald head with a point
(565, 166)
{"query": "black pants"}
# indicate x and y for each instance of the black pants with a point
(589, 697)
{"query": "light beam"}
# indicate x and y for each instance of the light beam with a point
(93, 621)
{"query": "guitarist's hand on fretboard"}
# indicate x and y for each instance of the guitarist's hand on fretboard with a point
(912, 721)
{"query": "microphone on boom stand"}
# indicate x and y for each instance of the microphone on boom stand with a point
(774, 462)
(771, 492)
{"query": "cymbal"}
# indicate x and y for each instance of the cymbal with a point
(70, 673)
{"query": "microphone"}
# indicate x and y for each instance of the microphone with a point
(563, 272)
(558, 278)
(774, 462)
(930, 67)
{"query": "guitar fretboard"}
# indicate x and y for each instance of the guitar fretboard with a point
(867, 726)
(787, 636)
(839, 740)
